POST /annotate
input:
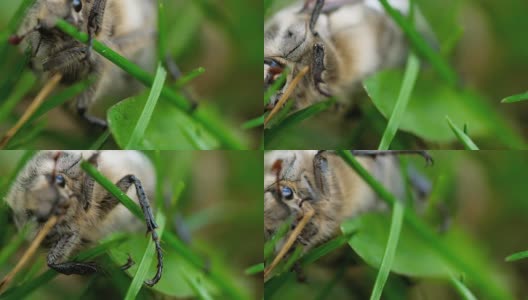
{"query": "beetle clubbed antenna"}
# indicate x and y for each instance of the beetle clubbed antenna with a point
(315, 15)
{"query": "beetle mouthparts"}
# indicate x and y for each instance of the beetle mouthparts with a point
(15, 40)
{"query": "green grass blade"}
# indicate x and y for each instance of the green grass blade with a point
(275, 86)
(269, 246)
(185, 253)
(146, 261)
(101, 140)
(199, 290)
(162, 31)
(292, 259)
(515, 98)
(20, 164)
(462, 289)
(23, 86)
(12, 246)
(177, 192)
(146, 115)
(24, 139)
(15, 74)
(409, 79)
(13, 24)
(316, 253)
(390, 250)
(60, 98)
(255, 269)
(462, 137)
(19, 15)
(185, 79)
(217, 129)
(517, 256)
(256, 122)
(420, 45)
(296, 118)
(323, 294)
(25, 289)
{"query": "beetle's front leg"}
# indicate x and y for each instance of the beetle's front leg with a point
(62, 250)
(109, 202)
(324, 176)
(95, 22)
(318, 67)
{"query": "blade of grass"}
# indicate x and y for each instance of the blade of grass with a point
(280, 116)
(462, 137)
(275, 86)
(515, 98)
(15, 75)
(20, 164)
(390, 251)
(39, 99)
(19, 15)
(292, 259)
(272, 286)
(217, 129)
(185, 79)
(101, 140)
(420, 45)
(29, 252)
(325, 291)
(517, 256)
(27, 136)
(194, 139)
(146, 115)
(60, 98)
(146, 261)
(177, 192)
(23, 86)
(26, 288)
(423, 231)
(256, 122)
(199, 290)
(411, 73)
(297, 117)
(462, 289)
(328, 247)
(13, 24)
(281, 232)
(162, 31)
(10, 248)
(255, 269)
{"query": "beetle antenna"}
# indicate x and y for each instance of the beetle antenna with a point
(315, 15)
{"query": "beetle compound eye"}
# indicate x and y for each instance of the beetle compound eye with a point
(60, 181)
(77, 5)
(287, 193)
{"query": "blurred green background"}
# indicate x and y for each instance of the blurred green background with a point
(484, 42)
(487, 208)
(223, 37)
(220, 208)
